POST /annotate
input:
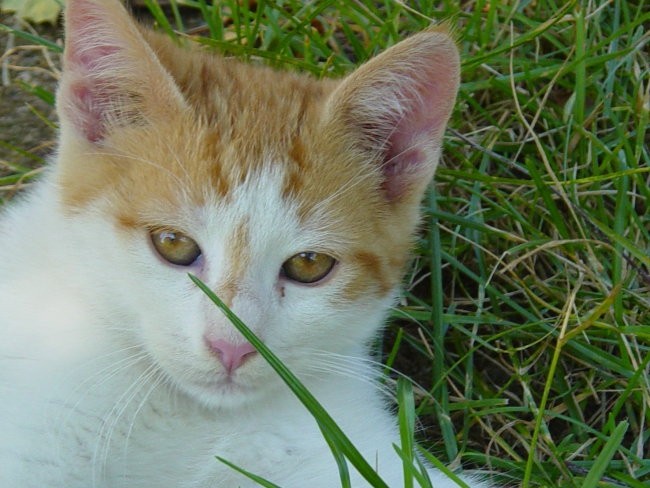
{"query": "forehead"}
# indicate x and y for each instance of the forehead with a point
(238, 132)
(248, 130)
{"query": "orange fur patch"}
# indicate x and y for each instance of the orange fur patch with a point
(238, 119)
(237, 263)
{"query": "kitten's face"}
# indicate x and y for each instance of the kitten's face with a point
(294, 200)
(247, 228)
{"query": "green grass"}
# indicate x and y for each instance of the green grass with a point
(526, 315)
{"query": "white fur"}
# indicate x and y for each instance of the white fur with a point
(105, 378)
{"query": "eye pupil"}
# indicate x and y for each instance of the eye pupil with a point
(175, 247)
(308, 267)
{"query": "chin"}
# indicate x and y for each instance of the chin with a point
(222, 392)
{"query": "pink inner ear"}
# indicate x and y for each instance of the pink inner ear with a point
(397, 105)
(86, 102)
(87, 41)
(89, 116)
(87, 59)
(91, 47)
(400, 169)
(408, 145)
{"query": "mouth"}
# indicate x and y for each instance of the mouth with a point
(223, 384)
(221, 390)
(214, 387)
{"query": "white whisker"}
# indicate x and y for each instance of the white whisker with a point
(98, 379)
(159, 379)
(111, 420)
(364, 369)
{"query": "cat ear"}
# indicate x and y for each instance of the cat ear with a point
(396, 107)
(111, 76)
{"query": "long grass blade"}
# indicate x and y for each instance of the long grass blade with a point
(337, 440)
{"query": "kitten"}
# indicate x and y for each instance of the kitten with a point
(295, 200)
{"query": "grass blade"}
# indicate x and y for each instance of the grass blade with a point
(406, 417)
(257, 479)
(609, 449)
(335, 437)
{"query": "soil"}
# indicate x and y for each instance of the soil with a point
(22, 114)
(26, 122)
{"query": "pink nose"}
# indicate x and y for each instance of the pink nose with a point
(232, 356)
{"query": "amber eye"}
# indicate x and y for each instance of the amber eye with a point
(308, 267)
(175, 247)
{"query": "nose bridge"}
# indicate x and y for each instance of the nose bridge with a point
(234, 265)
(227, 291)
(236, 284)
(223, 339)
(243, 300)
(247, 306)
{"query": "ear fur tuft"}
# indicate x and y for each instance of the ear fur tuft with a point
(397, 105)
(110, 73)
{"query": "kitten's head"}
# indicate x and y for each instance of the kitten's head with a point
(294, 199)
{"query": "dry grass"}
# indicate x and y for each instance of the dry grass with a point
(526, 317)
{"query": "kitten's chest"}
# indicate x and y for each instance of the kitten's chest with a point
(157, 438)
(272, 446)
(146, 438)
(172, 442)
(190, 442)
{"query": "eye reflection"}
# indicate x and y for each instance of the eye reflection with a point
(308, 267)
(175, 247)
